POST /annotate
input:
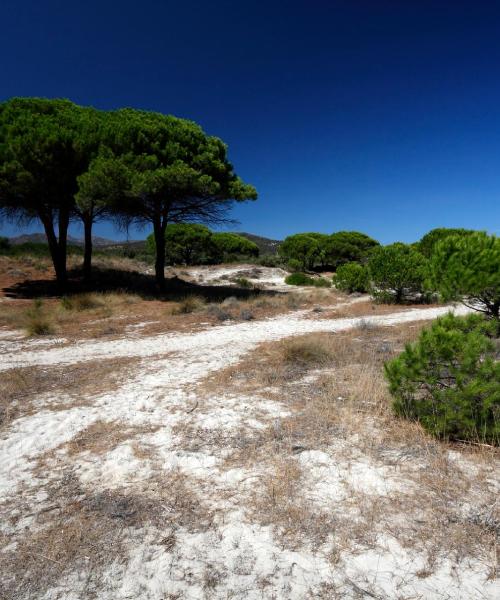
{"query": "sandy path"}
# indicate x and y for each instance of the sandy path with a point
(230, 340)
(159, 392)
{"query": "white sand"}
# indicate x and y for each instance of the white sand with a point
(161, 391)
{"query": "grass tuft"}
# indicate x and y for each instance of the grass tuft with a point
(37, 321)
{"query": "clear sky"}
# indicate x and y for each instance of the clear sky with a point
(379, 116)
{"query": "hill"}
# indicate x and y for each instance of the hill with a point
(40, 238)
(266, 245)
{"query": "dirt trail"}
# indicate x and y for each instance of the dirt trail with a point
(230, 340)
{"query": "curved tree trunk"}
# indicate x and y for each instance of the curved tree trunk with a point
(57, 251)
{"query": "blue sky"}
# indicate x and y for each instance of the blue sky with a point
(379, 116)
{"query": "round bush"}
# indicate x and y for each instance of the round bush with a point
(449, 380)
(299, 279)
(397, 273)
(352, 277)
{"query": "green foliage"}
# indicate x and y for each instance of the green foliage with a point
(397, 272)
(352, 277)
(449, 380)
(426, 245)
(4, 244)
(45, 145)
(185, 243)
(231, 245)
(59, 160)
(321, 282)
(299, 279)
(167, 170)
(468, 269)
(269, 260)
(195, 244)
(304, 248)
(294, 265)
(37, 249)
(308, 250)
(347, 246)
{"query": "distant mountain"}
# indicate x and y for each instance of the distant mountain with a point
(28, 238)
(266, 245)
(40, 238)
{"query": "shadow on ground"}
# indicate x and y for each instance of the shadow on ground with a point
(133, 282)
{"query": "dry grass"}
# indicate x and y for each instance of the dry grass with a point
(81, 532)
(366, 308)
(103, 436)
(97, 314)
(278, 363)
(187, 305)
(333, 388)
(71, 385)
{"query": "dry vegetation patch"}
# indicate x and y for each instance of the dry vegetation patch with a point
(385, 477)
(85, 531)
(103, 436)
(66, 386)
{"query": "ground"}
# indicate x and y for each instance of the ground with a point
(238, 448)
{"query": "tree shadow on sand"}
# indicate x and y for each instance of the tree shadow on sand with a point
(133, 282)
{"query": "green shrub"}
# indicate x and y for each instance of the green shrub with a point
(352, 277)
(4, 244)
(321, 282)
(299, 279)
(397, 273)
(449, 380)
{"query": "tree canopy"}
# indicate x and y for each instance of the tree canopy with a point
(60, 161)
(44, 146)
(308, 250)
(303, 247)
(347, 246)
(163, 170)
(430, 239)
(468, 269)
(229, 245)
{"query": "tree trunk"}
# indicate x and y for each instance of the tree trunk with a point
(87, 255)
(159, 233)
(55, 251)
(62, 245)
